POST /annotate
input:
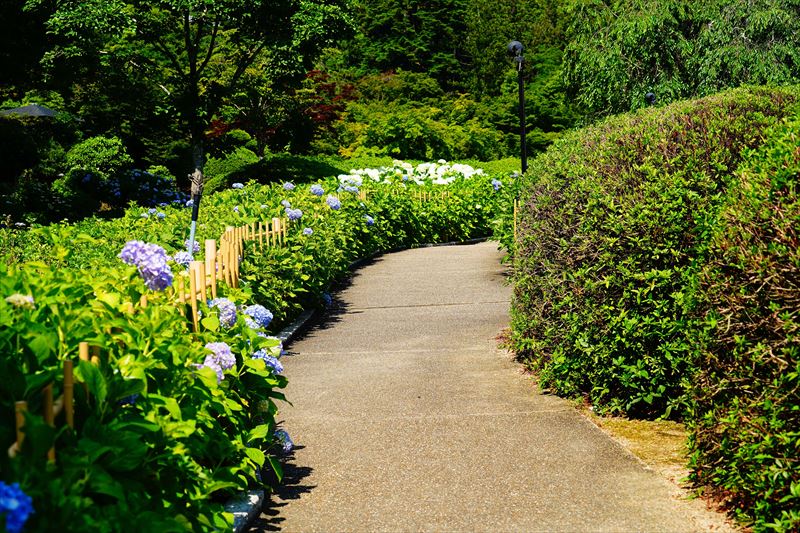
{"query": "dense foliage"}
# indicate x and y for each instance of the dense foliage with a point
(745, 418)
(161, 433)
(618, 51)
(654, 280)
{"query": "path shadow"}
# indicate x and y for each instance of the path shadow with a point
(332, 315)
(292, 488)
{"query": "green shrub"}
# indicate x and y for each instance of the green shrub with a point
(614, 228)
(239, 165)
(745, 418)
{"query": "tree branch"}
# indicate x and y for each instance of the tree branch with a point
(210, 46)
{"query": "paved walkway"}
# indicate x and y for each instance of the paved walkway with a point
(408, 417)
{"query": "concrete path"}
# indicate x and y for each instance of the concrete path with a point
(408, 417)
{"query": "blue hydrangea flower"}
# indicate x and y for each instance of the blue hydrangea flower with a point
(293, 214)
(283, 439)
(236, 209)
(370, 221)
(183, 258)
(350, 188)
(145, 215)
(263, 206)
(160, 215)
(288, 186)
(195, 246)
(496, 184)
(226, 310)
(259, 314)
(209, 362)
(152, 211)
(237, 186)
(333, 202)
(151, 260)
(21, 300)
(221, 355)
(15, 506)
(326, 299)
(317, 190)
(271, 362)
(307, 231)
(286, 204)
(189, 202)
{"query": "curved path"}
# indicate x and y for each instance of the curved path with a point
(408, 417)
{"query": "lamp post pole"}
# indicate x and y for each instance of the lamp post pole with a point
(515, 48)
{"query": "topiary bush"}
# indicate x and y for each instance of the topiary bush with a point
(745, 416)
(614, 231)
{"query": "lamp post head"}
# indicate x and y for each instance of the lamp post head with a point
(515, 49)
(650, 98)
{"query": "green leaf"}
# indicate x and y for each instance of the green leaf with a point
(256, 455)
(90, 375)
(211, 323)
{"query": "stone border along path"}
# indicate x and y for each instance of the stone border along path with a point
(407, 417)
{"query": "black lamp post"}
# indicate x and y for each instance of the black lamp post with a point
(515, 49)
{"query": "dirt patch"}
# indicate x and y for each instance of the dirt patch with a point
(661, 445)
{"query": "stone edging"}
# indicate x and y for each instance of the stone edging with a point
(247, 505)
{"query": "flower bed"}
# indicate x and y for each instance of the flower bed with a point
(168, 422)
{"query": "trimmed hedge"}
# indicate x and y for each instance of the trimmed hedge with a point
(654, 280)
(745, 419)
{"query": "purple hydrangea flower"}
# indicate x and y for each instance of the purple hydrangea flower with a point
(21, 300)
(326, 299)
(189, 203)
(15, 506)
(259, 314)
(496, 184)
(293, 214)
(307, 231)
(161, 215)
(209, 362)
(183, 258)
(350, 188)
(226, 309)
(370, 221)
(151, 260)
(195, 246)
(288, 186)
(286, 204)
(236, 209)
(221, 355)
(152, 211)
(237, 186)
(283, 439)
(317, 190)
(333, 202)
(271, 362)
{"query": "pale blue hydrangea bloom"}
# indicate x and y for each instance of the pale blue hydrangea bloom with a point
(283, 438)
(271, 362)
(15, 506)
(151, 260)
(237, 186)
(260, 315)
(183, 258)
(195, 246)
(288, 186)
(226, 310)
(221, 355)
(293, 214)
(307, 231)
(370, 221)
(286, 204)
(333, 202)
(496, 184)
(317, 190)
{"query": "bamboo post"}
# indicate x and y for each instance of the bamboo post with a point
(69, 385)
(21, 408)
(49, 416)
(274, 232)
(285, 228)
(83, 351)
(95, 359)
(260, 235)
(143, 301)
(211, 265)
(516, 208)
(193, 294)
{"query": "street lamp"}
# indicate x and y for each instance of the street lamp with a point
(515, 50)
